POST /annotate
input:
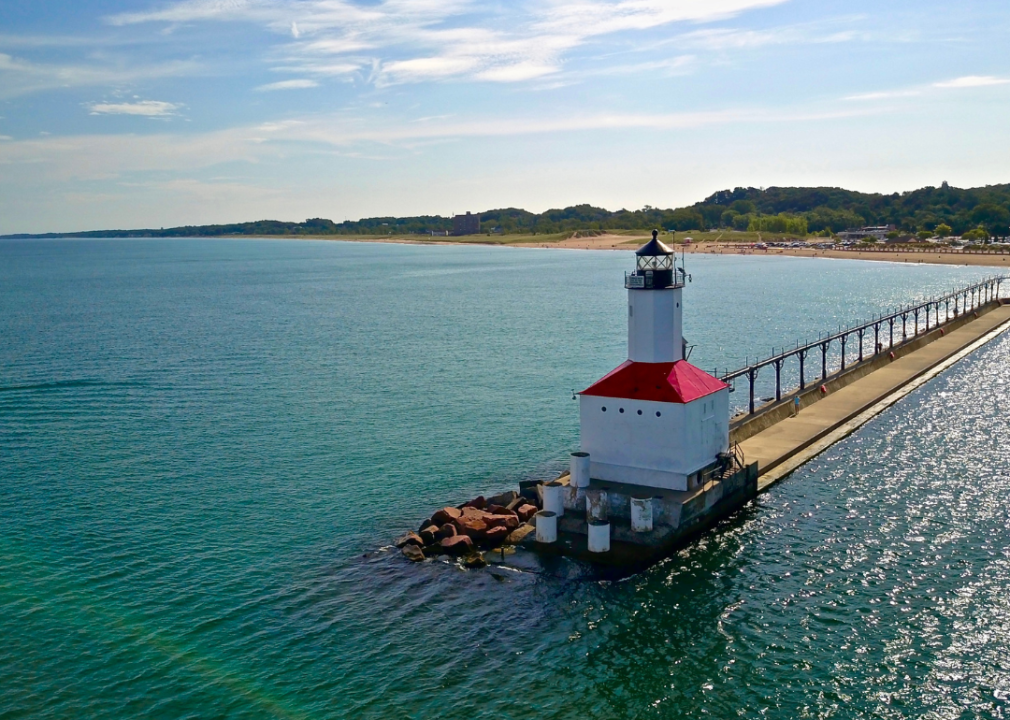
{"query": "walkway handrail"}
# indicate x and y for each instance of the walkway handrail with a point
(964, 300)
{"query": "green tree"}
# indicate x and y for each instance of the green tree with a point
(943, 230)
(991, 217)
(684, 219)
(924, 234)
(780, 223)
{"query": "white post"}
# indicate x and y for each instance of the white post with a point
(553, 500)
(547, 526)
(599, 536)
(580, 469)
(641, 514)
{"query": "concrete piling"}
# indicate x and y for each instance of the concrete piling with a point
(547, 526)
(580, 469)
(599, 536)
(553, 498)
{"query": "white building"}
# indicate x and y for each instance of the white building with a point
(656, 420)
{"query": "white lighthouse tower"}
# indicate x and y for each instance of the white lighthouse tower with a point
(656, 420)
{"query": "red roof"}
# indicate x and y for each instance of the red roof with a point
(676, 382)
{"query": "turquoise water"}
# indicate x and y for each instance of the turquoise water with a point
(205, 445)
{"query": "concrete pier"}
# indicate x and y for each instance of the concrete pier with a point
(781, 448)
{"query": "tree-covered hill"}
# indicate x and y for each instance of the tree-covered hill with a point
(792, 210)
(836, 209)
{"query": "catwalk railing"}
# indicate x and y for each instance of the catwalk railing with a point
(964, 300)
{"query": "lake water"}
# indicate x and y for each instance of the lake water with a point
(205, 445)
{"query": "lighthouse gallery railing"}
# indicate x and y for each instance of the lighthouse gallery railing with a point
(964, 300)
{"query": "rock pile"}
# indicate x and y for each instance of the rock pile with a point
(480, 524)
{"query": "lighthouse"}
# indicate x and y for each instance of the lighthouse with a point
(655, 421)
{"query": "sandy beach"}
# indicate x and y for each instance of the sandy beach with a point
(982, 260)
(631, 242)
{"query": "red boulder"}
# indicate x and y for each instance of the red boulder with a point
(445, 515)
(409, 539)
(509, 520)
(478, 502)
(525, 512)
(413, 553)
(471, 527)
(447, 530)
(496, 535)
(457, 545)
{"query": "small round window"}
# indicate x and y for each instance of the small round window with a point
(659, 414)
(621, 410)
(639, 412)
(604, 409)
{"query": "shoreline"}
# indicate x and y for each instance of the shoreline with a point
(631, 243)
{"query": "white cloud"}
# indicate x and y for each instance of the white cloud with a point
(326, 69)
(719, 39)
(409, 41)
(598, 17)
(518, 72)
(886, 95)
(145, 108)
(288, 85)
(426, 68)
(681, 65)
(91, 157)
(337, 45)
(972, 81)
(21, 76)
(192, 10)
(968, 81)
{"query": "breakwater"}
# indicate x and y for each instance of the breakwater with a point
(767, 442)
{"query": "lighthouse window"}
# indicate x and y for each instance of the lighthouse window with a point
(659, 414)
(639, 412)
(621, 410)
(604, 409)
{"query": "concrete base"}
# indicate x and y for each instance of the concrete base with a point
(678, 516)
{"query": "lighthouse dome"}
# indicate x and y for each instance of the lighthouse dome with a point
(654, 266)
(654, 248)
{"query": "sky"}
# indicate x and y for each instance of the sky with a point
(144, 113)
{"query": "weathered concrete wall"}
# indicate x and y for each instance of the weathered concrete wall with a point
(652, 444)
(669, 510)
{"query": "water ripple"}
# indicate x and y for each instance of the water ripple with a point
(198, 536)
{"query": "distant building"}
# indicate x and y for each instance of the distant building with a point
(877, 232)
(466, 224)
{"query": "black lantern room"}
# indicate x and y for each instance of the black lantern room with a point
(654, 268)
